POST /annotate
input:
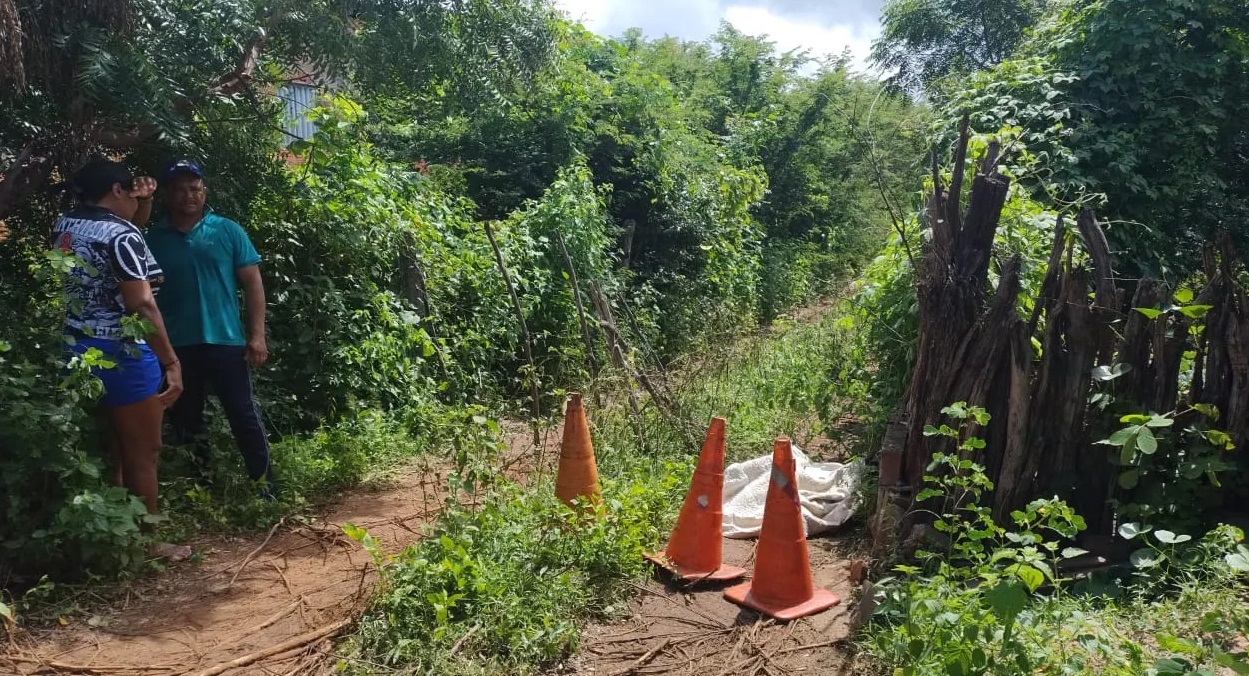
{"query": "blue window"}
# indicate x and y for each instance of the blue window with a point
(299, 99)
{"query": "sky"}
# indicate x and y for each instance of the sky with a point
(826, 27)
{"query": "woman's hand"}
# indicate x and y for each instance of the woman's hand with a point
(144, 187)
(173, 385)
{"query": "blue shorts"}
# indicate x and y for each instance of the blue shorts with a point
(135, 377)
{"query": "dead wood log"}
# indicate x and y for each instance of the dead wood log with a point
(951, 284)
(1135, 350)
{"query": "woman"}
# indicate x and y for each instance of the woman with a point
(115, 284)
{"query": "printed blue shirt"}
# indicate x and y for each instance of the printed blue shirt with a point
(113, 251)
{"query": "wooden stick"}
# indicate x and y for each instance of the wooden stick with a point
(575, 285)
(285, 581)
(811, 646)
(459, 643)
(272, 620)
(524, 330)
(102, 670)
(298, 641)
(647, 657)
(256, 551)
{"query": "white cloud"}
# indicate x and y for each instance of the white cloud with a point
(819, 39)
(591, 13)
(821, 29)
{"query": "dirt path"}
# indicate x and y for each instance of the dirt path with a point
(256, 592)
(248, 594)
(699, 633)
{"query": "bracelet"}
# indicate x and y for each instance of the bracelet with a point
(172, 363)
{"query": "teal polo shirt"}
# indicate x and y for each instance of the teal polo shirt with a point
(199, 297)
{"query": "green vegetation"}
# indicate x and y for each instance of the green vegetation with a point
(700, 189)
(1123, 106)
(504, 587)
(996, 601)
(688, 197)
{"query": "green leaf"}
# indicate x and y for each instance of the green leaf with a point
(1030, 576)
(1146, 441)
(1073, 552)
(1149, 312)
(1127, 455)
(1220, 439)
(1232, 662)
(1108, 373)
(1146, 558)
(1196, 311)
(1184, 296)
(1159, 421)
(1121, 437)
(1209, 410)
(1007, 600)
(1239, 559)
(1175, 644)
(1168, 538)
(1127, 531)
(1172, 665)
(1130, 479)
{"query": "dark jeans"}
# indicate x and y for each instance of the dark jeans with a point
(222, 370)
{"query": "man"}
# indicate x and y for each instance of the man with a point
(206, 258)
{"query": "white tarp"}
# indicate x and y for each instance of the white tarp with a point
(826, 490)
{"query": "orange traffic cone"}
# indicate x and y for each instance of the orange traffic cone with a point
(782, 586)
(695, 550)
(578, 474)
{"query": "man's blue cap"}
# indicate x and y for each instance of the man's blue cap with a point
(182, 166)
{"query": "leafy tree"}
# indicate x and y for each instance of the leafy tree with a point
(84, 66)
(1138, 100)
(926, 40)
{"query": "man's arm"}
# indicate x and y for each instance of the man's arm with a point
(254, 299)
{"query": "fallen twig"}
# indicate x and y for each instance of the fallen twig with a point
(647, 657)
(101, 669)
(273, 620)
(255, 551)
(763, 653)
(459, 643)
(714, 622)
(285, 581)
(812, 646)
(298, 641)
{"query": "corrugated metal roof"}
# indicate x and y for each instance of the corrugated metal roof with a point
(300, 99)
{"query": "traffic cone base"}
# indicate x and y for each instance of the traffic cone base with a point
(821, 601)
(722, 574)
(695, 549)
